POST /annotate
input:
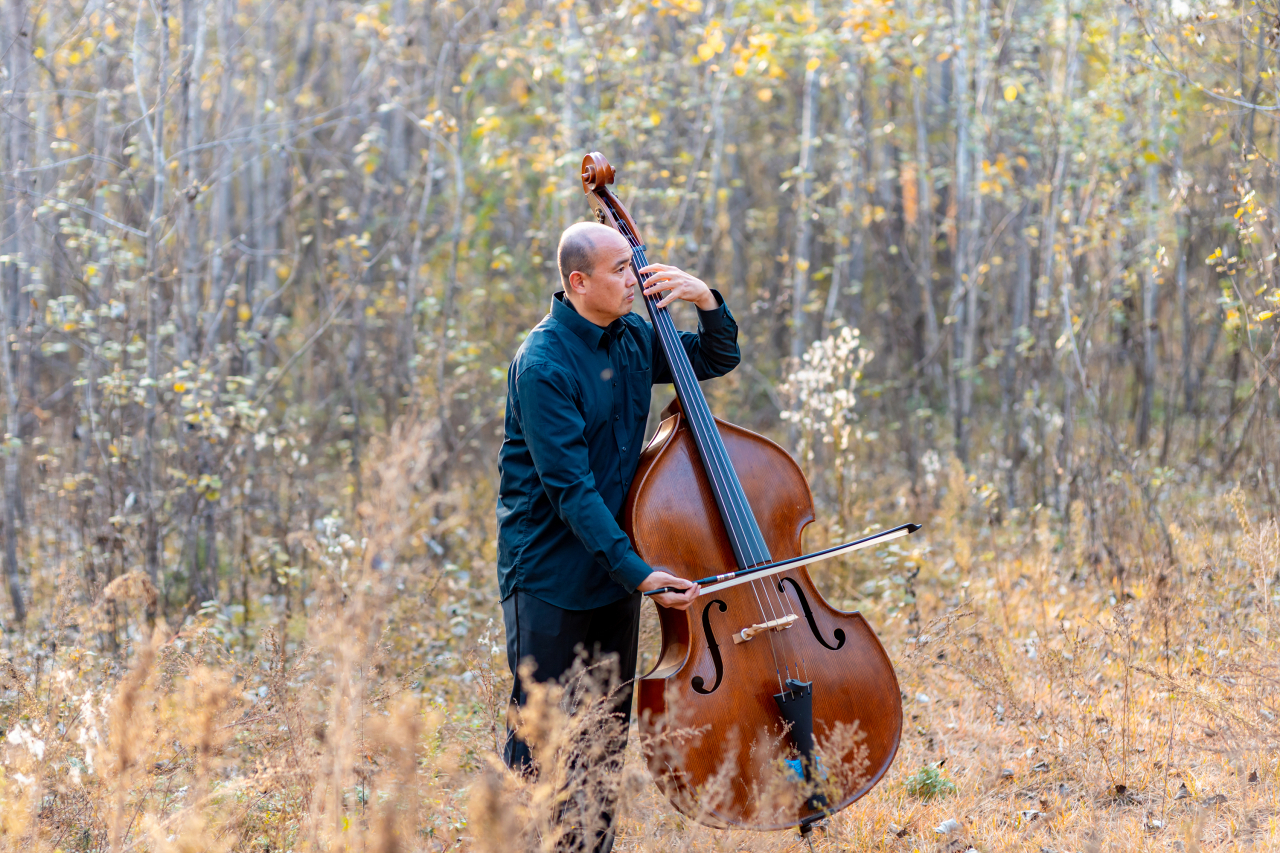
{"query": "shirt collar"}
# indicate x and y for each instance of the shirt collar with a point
(564, 312)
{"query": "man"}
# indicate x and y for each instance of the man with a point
(577, 401)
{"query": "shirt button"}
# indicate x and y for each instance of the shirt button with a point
(617, 417)
(624, 450)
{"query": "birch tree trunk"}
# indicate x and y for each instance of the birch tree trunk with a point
(924, 221)
(224, 160)
(849, 231)
(961, 189)
(194, 22)
(804, 215)
(1011, 414)
(1184, 302)
(1049, 230)
(1150, 205)
(154, 127)
(571, 45)
(968, 325)
(15, 214)
(187, 340)
(711, 233)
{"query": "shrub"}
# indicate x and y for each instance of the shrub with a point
(928, 783)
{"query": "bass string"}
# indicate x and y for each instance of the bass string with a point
(722, 484)
(753, 551)
(713, 451)
(719, 479)
(777, 670)
(777, 611)
(717, 452)
(728, 490)
(784, 601)
(721, 489)
(772, 598)
(733, 501)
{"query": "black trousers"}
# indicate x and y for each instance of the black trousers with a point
(554, 638)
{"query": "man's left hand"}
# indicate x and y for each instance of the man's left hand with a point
(678, 284)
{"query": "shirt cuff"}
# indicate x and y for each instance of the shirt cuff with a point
(631, 572)
(716, 317)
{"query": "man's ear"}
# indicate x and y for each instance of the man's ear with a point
(577, 282)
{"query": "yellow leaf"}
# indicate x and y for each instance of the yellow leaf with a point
(370, 167)
(740, 67)
(244, 313)
(282, 271)
(1266, 315)
(655, 118)
(812, 64)
(38, 53)
(1010, 93)
(713, 44)
(179, 387)
(765, 95)
(802, 265)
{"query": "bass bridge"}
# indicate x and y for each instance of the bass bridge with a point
(772, 625)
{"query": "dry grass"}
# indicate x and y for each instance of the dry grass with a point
(1080, 688)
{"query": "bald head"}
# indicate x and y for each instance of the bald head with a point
(581, 245)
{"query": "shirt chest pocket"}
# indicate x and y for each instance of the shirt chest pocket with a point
(639, 388)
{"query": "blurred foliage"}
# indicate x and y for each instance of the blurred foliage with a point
(243, 243)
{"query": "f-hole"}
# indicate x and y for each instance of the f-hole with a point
(808, 614)
(697, 680)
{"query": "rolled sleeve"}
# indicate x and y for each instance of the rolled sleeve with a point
(555, 432)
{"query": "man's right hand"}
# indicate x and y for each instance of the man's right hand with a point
(679, 600)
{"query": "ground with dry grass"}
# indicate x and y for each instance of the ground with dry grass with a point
(1106, 678)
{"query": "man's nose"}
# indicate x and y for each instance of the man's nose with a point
(632, 281)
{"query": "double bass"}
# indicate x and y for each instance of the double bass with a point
(767, 708)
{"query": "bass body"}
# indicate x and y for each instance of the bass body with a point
(716, 742)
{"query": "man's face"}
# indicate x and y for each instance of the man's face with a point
(608, 292)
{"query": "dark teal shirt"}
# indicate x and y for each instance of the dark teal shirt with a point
(577, 403)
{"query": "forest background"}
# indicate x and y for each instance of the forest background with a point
(1006, 268)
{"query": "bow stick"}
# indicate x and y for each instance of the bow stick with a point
(725, 581)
